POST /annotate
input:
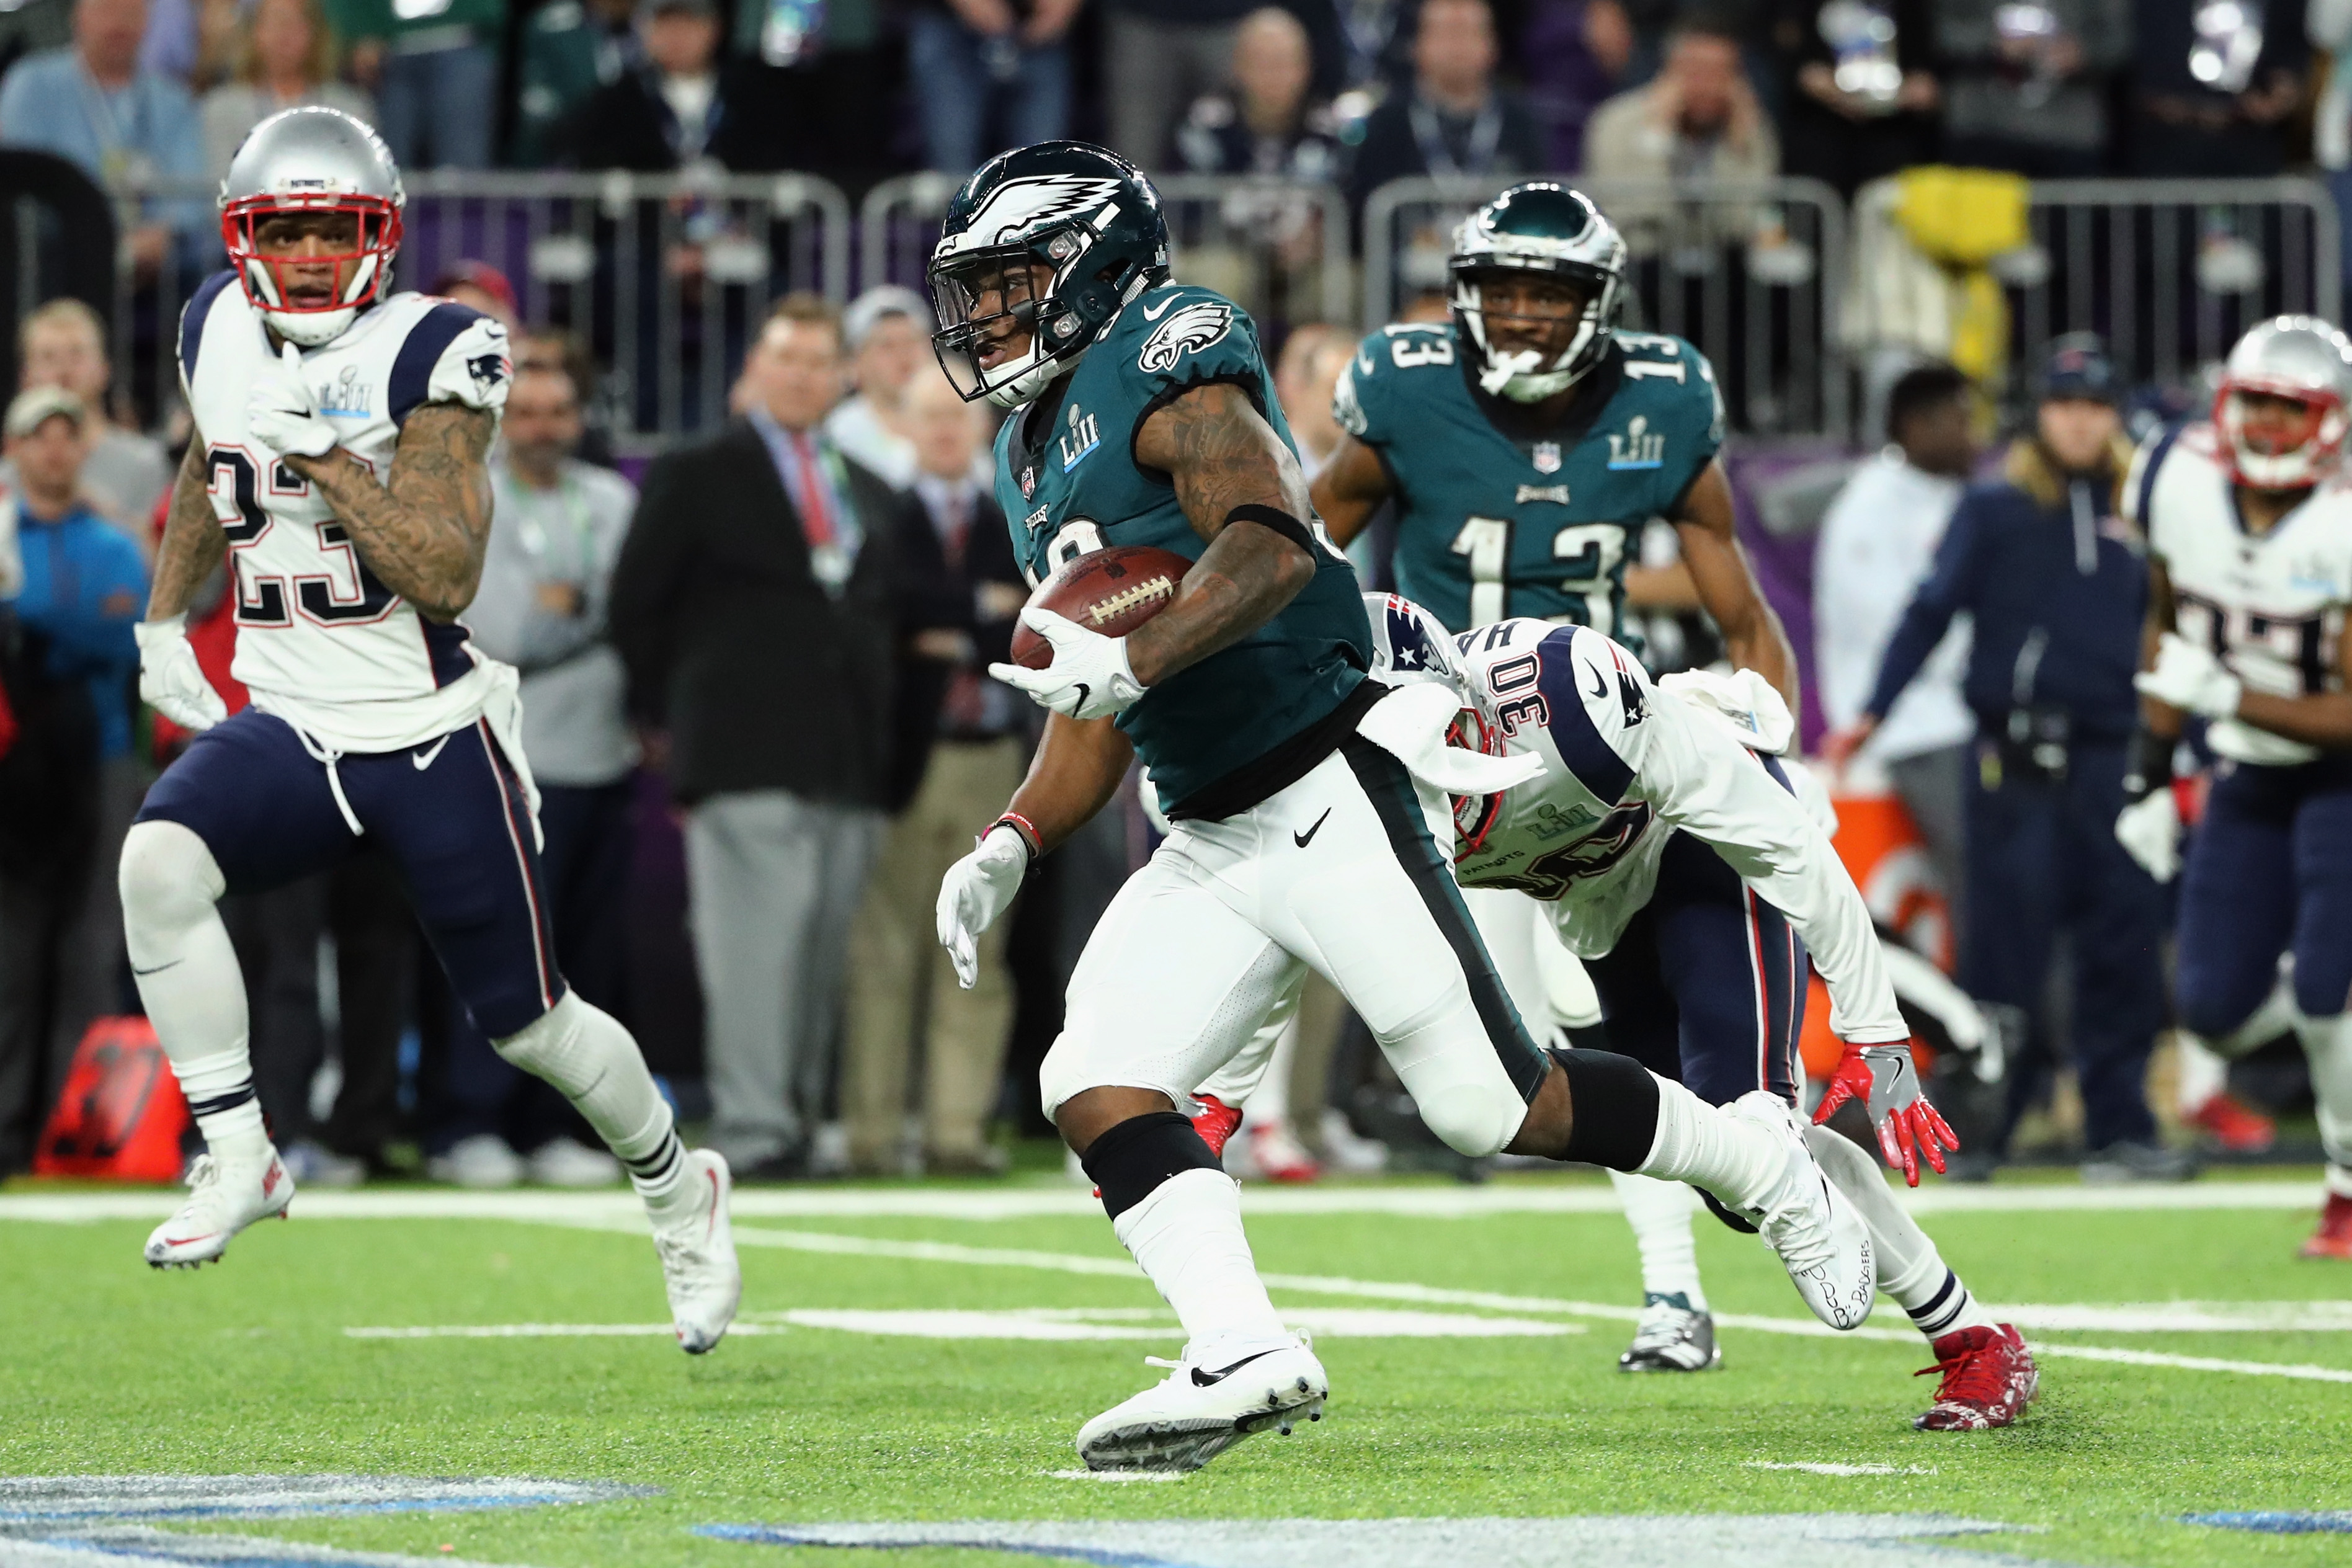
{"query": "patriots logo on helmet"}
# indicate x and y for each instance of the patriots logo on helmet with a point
(487, 369)
(1189, 331)
(1020, 207)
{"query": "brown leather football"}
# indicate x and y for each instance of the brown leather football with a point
(1111, 591)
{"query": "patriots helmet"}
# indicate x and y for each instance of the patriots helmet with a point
(1411, 647)
(1047, 241)
(2306, 362)
(1544, 229)
(312, 159)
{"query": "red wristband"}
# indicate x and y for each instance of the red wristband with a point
(1025, 828)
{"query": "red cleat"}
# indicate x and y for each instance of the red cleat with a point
(2334, 1237)
(1216, 1122)
(2235, 1127)
(1989, 1380)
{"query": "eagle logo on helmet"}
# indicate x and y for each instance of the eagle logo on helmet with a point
(1020, 208)
(1189, 331)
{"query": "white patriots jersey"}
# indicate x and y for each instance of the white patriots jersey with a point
(2271, 607)
(321, 642)
(1626, 767)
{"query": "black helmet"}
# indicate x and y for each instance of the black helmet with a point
(1537, 228)
(1087, 215)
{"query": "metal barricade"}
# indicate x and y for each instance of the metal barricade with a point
(1277, 248)
(1748, 270)
(663, 279)
(2171, 270)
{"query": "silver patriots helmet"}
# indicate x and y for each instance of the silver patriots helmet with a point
(312, 159)
(1544, 229)
(2305, 361)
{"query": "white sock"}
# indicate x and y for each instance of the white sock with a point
(2198, 1074)
(1910, 1269)
(1186, 1236)
(2327, 1044)
(1660, 1213)
(1708, 1147)
(586, 1054)
(190, 981)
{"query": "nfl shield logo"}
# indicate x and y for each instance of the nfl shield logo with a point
(1546, 456)
(1028, 483)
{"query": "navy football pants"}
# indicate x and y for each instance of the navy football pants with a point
(2269, 870)
(451, 815)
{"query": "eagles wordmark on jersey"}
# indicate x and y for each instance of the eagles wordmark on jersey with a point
(1499, 517)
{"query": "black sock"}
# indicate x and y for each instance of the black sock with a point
(1612, 1108)
(1140, 1153)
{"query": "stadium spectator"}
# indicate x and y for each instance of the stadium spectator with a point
(1303, 377)
(1699, 118)
(285, 55)
(94, 106)
(1572, 54)
(546, 582)
(480, 285)
(890, 333)
(2056, 586)
(434, 69)
(78, 588)
(2026, 87)
(904, 1002)
(763, 604)
(1877, 544)
(551, 349)
(1456, 121)
(570, 49)
(1860, 85)
(825, 78)
(677, 104)
(2214, 86)
(1159, 56)
(989, 73)
(63, 343)
(193, 42)
(1264, 123)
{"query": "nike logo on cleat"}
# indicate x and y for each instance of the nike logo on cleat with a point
(1201, 1379)
(1304, 839)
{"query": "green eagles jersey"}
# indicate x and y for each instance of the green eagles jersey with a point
(1497, 518)
(1068, 481)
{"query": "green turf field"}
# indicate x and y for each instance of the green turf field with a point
(251, 1368)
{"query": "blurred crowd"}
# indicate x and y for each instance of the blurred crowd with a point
(1358, 91)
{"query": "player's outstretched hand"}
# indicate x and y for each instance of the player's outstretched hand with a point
(975, 891)
(2150, 831)
(2191, 679)
(170, 680)
(1089, 678)
(281, 412)
(1885, 1078)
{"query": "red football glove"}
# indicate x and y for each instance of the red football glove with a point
(1883, 1078)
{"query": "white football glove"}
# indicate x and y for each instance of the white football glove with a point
(1089, 678)
(281, 414)
(975, 891)
(2150, 831)
(2191, 678)
(170, 680)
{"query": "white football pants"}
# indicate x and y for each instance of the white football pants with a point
(1207, 946)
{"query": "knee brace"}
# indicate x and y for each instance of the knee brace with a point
(169, 883)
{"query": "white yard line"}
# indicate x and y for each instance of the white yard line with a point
(1012, 1203)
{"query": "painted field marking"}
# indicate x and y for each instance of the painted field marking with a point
(536, 1330)
(1827, 1469)
(1567, 1195)
(1018, 1323)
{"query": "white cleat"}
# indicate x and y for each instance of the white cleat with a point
(1199, 1412)
(224, 1197)
(1803, 1217)
(698, 1257)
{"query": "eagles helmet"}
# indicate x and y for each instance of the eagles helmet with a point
(307, 160)
(2306, 360)
(1086, 216)
(1542, 227)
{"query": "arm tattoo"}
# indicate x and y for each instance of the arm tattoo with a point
(193, 542)
(1220, 453)
(422, 533)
